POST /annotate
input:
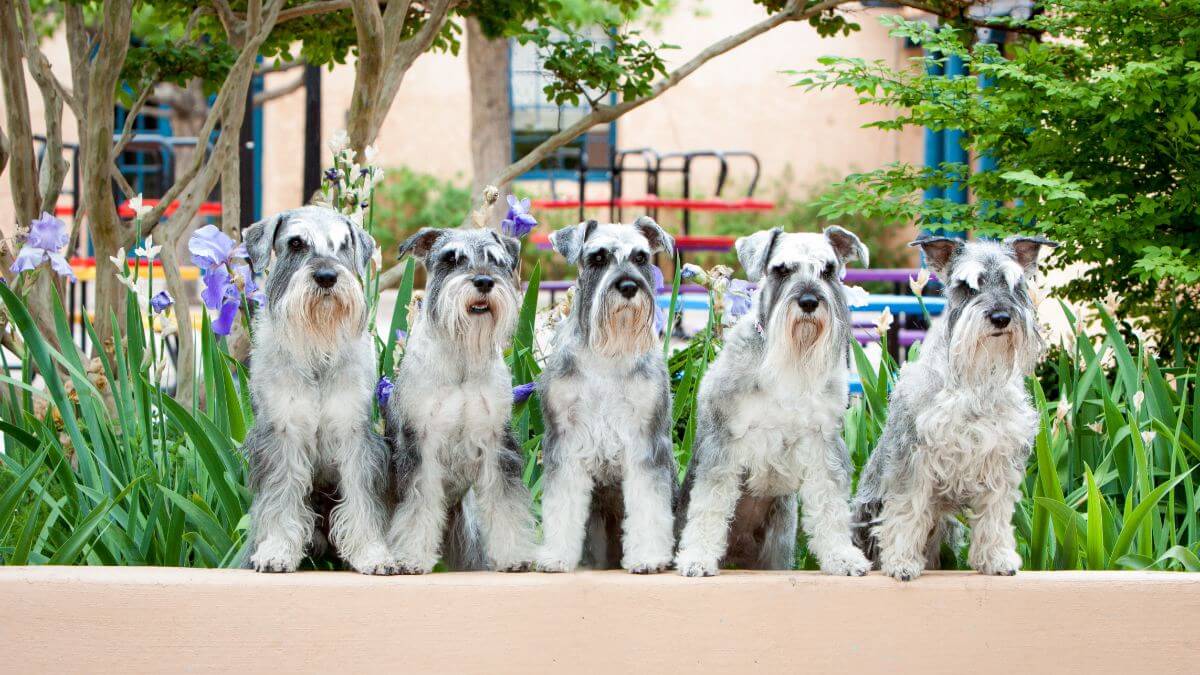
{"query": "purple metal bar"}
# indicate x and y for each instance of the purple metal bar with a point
(889, 275)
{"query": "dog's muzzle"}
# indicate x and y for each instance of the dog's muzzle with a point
(483, 284)
(809, 302)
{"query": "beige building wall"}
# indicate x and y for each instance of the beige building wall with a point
(740, 100)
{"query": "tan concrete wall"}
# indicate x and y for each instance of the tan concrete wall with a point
(134, 620)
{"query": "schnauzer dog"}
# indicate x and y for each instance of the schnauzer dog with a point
(317, 470)
(771, 408)
(458, 465)
(960, 423)
(606, 405)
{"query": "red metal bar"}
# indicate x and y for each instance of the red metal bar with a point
(684, 243)
(206, 208)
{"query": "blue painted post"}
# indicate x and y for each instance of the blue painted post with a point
(952, 147)
(933, 138)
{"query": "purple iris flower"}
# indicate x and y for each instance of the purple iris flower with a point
(47, 235)
(332, 175)
(383, 390)
(522, 392)
(660, 317)
(161, 301)
(738, 297)
(518, 221)
(215, 252)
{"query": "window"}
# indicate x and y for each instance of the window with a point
(534, 119)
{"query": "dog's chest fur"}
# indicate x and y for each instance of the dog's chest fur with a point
(458, 422)
(777, 427)
(971, 442)
(604, 409)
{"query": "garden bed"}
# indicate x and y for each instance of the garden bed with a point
(111, 619)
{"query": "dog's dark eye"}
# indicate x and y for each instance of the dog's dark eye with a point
(448, 258)
(968, 289)
(829, 269)
(296, 244)
(639, 258)
(597, 258)
(781, 270)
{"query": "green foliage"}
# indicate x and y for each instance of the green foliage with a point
(581, 68)
(1094, 130)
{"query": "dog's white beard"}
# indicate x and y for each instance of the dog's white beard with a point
(478, 336)
(978, 358)
(622, 327)
(799, 342)
(320, 320)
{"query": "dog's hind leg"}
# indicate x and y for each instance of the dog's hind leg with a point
(779, 536)
(462, 547)
(357, 522)
(281, 478)
(504, 510)
(825, 513)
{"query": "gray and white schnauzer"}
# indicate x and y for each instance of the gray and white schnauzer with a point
(771, 409)
(960, 422)
(317, 470)
(606, 405)
(459, 467)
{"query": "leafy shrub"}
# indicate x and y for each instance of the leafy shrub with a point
(1094, 131)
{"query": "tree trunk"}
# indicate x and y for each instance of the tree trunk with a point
(96, 143)
(491, 113)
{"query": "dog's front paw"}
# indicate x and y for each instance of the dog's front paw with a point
(553, 565)
(647, 567)
(846, 562)
(694, 567)
(406, 565)
(903, 570)
(375, 561)
(513, 566)
(274, 558)
(1000, 563)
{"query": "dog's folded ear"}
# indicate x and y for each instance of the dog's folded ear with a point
(658, 237)
(1027, 250)
(512, 248)
(364, 246)
(569, 240)
(421, 243)
(939, 252)
(754, 251)
(847, 245)
(260, 239)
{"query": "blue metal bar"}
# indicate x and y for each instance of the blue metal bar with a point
(952, 141)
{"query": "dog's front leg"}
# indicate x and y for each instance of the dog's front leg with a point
(504, 509)
(905, 523)
(358, 519)
(565, 504)
(825, 514)
(710, 508)
(281, 475)
(415, 535)
(649, 528)
(993, 547)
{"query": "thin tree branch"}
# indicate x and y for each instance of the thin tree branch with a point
(130, 120)
(267, 96)
(312, 9)
(39, 65)
(281, 67)
(229, 20)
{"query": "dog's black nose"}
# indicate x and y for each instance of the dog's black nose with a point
(627, 288)
(808, 302)
(999, 319)
(325, 277)
(483, 283)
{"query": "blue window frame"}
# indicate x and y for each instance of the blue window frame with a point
(534, 119)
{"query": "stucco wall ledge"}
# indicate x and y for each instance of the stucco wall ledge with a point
(80, 619)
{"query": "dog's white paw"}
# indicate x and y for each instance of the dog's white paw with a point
(846, 562)
(272, 557)
(647, 567)
(376, 560)
(553, 565)
(513, 566)
(903, 570)
(1002, 563)
(693, 567)
(407, 565)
